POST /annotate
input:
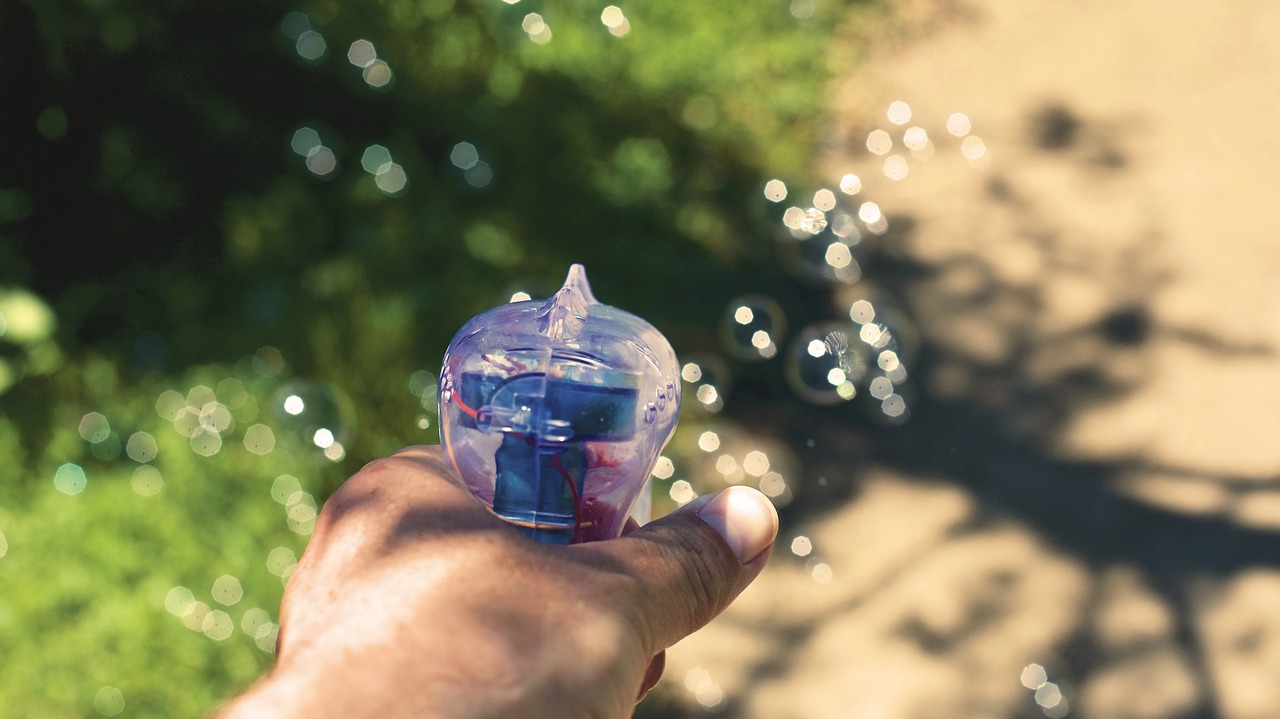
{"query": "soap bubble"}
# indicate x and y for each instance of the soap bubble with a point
(892, 342)
(314, 415)
(826, 363)
(820, 241)
(753, 326)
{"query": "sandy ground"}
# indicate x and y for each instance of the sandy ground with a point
(1083, 516)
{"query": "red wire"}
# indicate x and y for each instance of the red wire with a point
(573, 489)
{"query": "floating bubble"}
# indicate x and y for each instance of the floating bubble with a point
(824, 240)
(313, 415)
(752, 327)
(826, 362)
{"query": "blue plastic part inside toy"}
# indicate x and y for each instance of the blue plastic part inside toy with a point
(538, 483)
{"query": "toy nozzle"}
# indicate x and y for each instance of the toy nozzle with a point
(561, 317)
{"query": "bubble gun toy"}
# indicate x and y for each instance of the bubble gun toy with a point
(554, 411)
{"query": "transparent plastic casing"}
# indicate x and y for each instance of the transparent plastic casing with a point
(555, 411)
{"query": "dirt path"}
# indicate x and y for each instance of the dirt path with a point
(1092, 482)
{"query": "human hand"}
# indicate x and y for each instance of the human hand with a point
(414, 600)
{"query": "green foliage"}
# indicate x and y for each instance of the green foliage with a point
(164, 229)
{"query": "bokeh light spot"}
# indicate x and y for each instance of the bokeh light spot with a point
(253, 620)
(378, 74)
(391, 179)
(869, 212)
(322, 161)
(756, 463)
(281, 561)
(682, 492)
(879, 142)
(94, 427)
(464, 155)
(147, 481)
(850, 184)
(973, 147)
(801, 546)
(294, 405)
(915, 138)
(895, 167)
(709, 441)
(109, 701)
(958, 124)
(259, 439)
(664, 468)
(227, 590)
(616, 21)
(294, 24)
(899, 112)
(141, 447)
(775, 190)
(305, 141)
(70, 479)
(217, 625)
(361, 53)
(311, 45)
(375, 159)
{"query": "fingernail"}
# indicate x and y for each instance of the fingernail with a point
(745, 519)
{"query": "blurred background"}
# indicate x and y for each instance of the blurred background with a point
(981, 293)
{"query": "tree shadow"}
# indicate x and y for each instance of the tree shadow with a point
(1000, 378)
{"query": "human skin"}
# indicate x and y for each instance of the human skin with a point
(414, 600)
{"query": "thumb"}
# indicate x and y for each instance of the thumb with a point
(692, 563)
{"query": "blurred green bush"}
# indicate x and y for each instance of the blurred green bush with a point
(206, 208)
